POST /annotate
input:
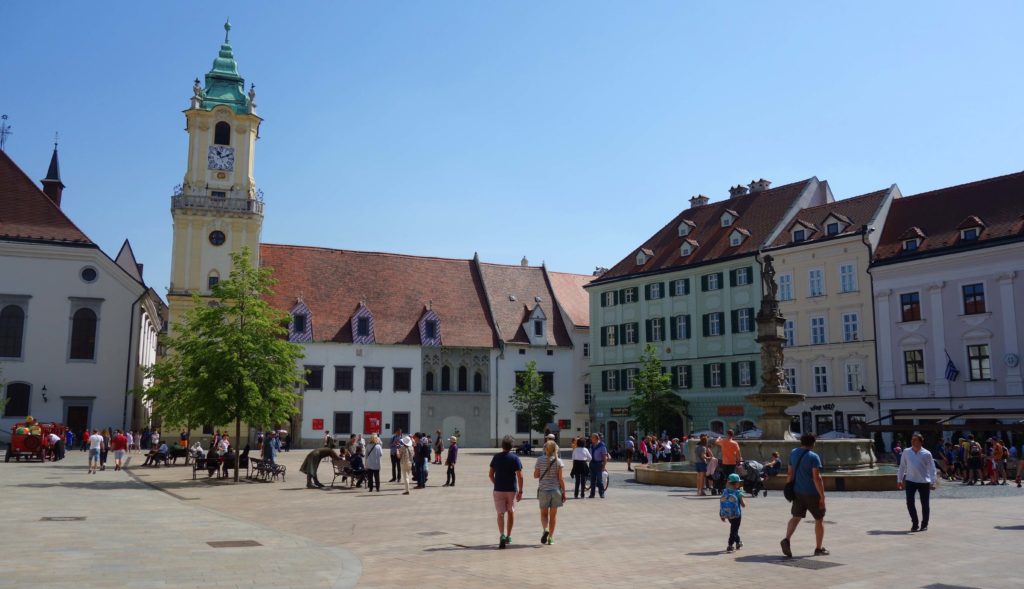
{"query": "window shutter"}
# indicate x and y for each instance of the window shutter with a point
(604, 380)
(621, 383)
(732, 278)
(704, 283)
(721, 277)
(687, 377)
(620, 335)
(752, 324)
(753, 375)
(673, 332)
(750, 274)
(735, 374)
(687, 335)
(604, 300)
(615, 297)
(672, 288)
(604, 334)
(674, 381)
(707, 327)
(707, 376)
(647, 292)
(686, 286)
(735, 321)
(647, 330)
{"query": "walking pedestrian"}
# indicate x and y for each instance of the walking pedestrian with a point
(438, 447)
(453, 456)
(808, 493)
(119, 444)
(312, 463)
(702, 456)
(405, 453)
(974, 462)
(580, 469)
(396, 467)
(550, 490)
(95, 442)
(104, 449)
(373, 456)
(506, 474)
(998, 462)
(630, 448)
(916, 474)
(730, 509)
(731, 456)
(421, 456)
(598, 462)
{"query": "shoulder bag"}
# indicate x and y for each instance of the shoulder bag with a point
(788, 491)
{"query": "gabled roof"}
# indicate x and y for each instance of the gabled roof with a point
(513, 292)
(854, 211)
(125, 258)
(571, 297)
(761, 211)
(395, 287)
(27, 214)
(939, 213)
(970, 222)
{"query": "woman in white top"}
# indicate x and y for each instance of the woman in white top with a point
(580, 466)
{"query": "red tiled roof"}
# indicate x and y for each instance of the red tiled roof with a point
(758, 212)
(27, 214)
(855, 211)
(397, 288)
(570, 294)
(524, 284)
(999, 202)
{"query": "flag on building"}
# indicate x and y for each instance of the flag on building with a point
(951, 372)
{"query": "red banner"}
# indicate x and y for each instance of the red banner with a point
(371, 422)
(318, 424)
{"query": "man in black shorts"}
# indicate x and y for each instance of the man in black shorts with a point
(809, 491)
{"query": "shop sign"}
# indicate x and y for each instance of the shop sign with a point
(620, 411)
(730, 411)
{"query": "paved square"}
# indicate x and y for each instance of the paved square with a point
(152, 528)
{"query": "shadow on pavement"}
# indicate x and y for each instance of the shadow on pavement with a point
(711, 553)
(768, 558)
(452, 547)
(1009, 527)
(888, 532)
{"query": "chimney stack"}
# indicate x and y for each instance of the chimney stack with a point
(52, 186)
(759, 185)
(738, 190)
(698, 201)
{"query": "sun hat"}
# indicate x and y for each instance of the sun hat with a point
(549, 437)
(406, 441)
(734, 478)
(453, 439)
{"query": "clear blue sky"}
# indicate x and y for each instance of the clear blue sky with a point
(564, 131)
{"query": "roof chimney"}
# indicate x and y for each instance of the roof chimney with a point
(738, 190)
(698, 201)
(524, 262)
(759, 185)
(52, 186)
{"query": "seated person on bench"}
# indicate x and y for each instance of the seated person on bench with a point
(525, 448)
(773, 467)
(157, 456)
(356, 464)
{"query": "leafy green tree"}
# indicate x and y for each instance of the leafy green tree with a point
(229, 360)
(530, 398)
(653, 402)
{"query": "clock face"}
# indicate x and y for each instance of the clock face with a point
(221, 157)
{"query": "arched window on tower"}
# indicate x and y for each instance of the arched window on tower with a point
(12, 331)
(463, 378)
(222, 134)
(446, 378)
(83, 334)
(430, 380)
(478, 383)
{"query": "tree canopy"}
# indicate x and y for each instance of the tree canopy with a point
(229, 360)
(531, 398)
(653, 402)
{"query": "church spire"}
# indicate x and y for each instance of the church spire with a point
(224, 85)
(52, 185)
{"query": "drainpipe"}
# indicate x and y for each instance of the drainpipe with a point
(866, 230)
(497, 384)
(131, 357)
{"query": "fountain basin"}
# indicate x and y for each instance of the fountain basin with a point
(682, 474)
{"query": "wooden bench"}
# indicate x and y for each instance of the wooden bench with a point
(343, 470)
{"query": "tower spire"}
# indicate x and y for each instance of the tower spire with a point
(227, 30)
(52, 185)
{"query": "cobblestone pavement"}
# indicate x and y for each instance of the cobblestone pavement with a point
(638, 536)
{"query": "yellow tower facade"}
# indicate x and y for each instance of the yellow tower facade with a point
(217, 209)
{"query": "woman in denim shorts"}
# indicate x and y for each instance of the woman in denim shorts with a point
(550, 490)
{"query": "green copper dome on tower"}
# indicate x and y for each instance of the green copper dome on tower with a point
(223, 83)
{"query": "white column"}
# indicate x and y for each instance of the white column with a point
(1011, 345)
(939, 384)
(884, 334)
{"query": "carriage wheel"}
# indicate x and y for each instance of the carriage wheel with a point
(7, 456)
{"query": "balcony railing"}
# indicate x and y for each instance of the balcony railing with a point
(217, 203)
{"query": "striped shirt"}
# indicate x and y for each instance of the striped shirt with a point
(549, 481)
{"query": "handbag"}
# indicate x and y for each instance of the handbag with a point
(788, 492)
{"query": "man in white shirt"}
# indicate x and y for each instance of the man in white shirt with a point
(55, 450)
(95, 445)
(916, 474)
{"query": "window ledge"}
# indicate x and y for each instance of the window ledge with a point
(817, 296)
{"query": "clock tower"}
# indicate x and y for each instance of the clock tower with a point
(217, 209)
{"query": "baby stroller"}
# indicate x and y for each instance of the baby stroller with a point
(753, 478)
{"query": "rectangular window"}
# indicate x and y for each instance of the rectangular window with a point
(657, 329)
(977, 357)
(815, 283)
(744, 321)
(791, 379)
(629, 333)
(713, 282)
(403, 380)
(609, 299)
(314, 378)
(742, 276)
(374, 378)
(851, 327)
(910, 306)
(586, 350)
(431, 329)
(400, 421)
(832, 229)
(538, 328)
(343, 378)
(681, 287)
(910, 245)
(800, 235)
(745, 376)
(299, 323)
(716, 375)
(714, 323)
(974, 299)
(522, 423)
(853, 381)
(847, 278)
(611, 380)
(654, 290)
(610, 333)
(821, 379)
(823, 424)
(785, 287)
(789, 332)
(681, 327)
(586, 394)
(681, 377)
(342, 422)
(913, 363)
(631, 374)
(211, 281)
(547, 382)
(818, 330)
(628, 295)
(363, 327)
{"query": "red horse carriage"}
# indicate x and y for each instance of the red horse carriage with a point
(29, 440)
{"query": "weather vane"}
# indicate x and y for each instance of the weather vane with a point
(5, 130)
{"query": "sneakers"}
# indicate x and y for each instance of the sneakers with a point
(551, 540)
(914, 528)
(821, 551)
(924, 528)
(730, 548)
(544, 537)
(739, 545)
(785, 548)
(503, 541)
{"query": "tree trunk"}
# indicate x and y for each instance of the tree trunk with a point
(238, 433)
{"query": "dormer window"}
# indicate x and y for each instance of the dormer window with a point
(534, 326)
(685, 228)
(430, 327)
(538, 328)
(912, 238)
(799, 235)
(299, 323)
(728, 218)
(301, 328)
(643, 255)
(971, 228)
(832, 228)
(688, 246)
(363, 327)
(910, 245)
(969, 234)
(737, 237)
